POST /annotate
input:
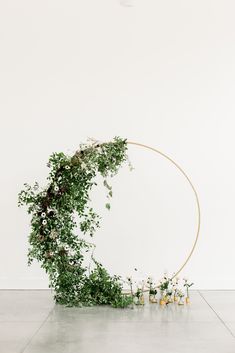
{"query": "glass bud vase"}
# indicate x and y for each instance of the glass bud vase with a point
(139, 300)
(163, 298)
(152, 298)
(142, 299)
(169, 298)
(181, 301)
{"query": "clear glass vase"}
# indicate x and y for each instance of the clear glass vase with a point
(139, 300)
(163, 298)
(152, 298)
(181, 301)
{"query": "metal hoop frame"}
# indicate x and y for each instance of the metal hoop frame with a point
(195, 194)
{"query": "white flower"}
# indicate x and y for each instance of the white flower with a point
(53, 234)
(44, 222)
(43, 214)
(44, 193)
(67, 167)
(56, 188)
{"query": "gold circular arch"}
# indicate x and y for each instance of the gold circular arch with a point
(195, 194)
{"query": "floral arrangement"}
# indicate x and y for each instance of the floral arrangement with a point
(53, 240)
(55, 244)
(170, 290)
(187, 285)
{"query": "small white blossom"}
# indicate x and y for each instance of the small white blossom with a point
(53, 234)
(43, 214)
(56, 188)
(44, 222)
(67, 167)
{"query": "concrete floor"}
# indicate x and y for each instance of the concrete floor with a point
(31, 323)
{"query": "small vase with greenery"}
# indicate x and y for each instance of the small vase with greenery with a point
(187, 285)
(152, 291)
(164, 285)
(180, 294)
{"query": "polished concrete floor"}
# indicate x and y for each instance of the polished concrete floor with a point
(31, 323)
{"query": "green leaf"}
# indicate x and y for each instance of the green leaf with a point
(62, 207)
(108, 206)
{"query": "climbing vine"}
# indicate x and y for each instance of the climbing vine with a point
(58, 240)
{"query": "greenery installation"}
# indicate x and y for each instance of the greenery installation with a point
(53, 239)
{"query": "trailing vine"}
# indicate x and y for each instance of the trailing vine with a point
(53, 240)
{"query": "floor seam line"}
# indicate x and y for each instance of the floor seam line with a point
(36, 332)
(221, 320)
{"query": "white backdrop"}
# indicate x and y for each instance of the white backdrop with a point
(156, 72)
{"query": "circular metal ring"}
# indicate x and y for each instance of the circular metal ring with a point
(195, 194)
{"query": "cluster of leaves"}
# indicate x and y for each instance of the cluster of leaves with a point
(151, 287)
(164, 284)
(53, 239)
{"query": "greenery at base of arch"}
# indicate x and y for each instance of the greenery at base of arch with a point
(53, 239)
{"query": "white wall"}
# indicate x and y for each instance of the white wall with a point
(157, 72)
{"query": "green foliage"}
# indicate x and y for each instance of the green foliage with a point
(138, 293)
(101, 288)
(152, 288)
(53, 240)
(152, 291)
(164, 284)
